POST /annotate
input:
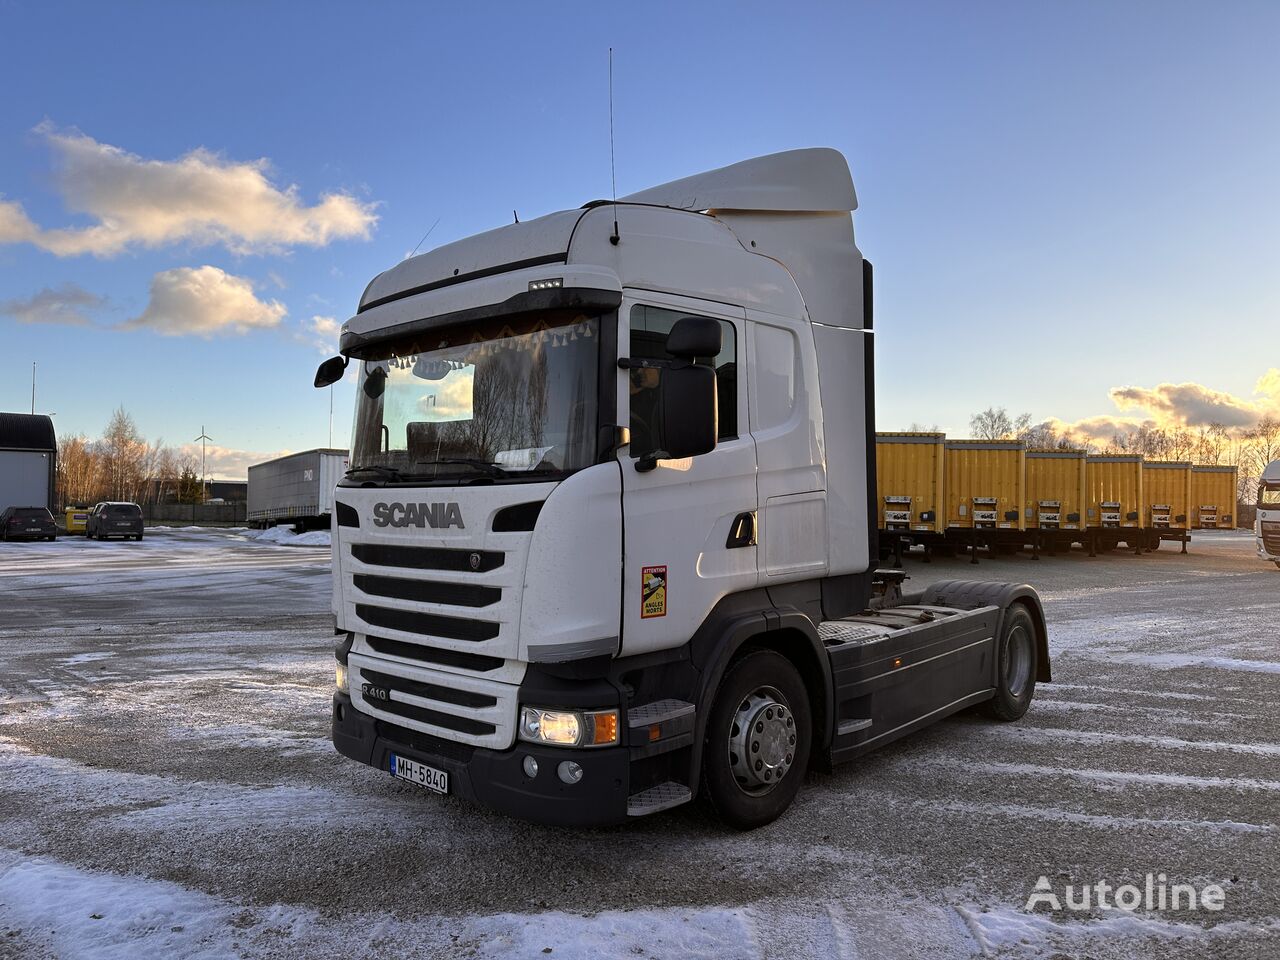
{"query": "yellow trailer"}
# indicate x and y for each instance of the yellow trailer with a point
(1113, 494)
(1055, 494)
(984, 484)
(909, 478)
(1213, 497)
(1166, 491)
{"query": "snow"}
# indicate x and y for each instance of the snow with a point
(107, 916)
(286, 537)
(1005, 930)
(102, 916)
(1118, 777)
(1169, 661)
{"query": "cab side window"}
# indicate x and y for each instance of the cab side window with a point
(650, 327)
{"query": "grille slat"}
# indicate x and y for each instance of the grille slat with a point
(429, 691)
(428, 624)
(427, 558)
(422, 591)
(411, 711)
(434, 655)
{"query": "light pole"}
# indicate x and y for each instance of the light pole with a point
(203, 438)
(33, 388)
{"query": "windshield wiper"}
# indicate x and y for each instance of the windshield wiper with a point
(390, 472)
(492, 469)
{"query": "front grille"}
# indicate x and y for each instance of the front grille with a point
(429, 624)
(427, 558)
(435, 718)
(434, 655)
(466, 709)
(429, 691)
(453, 594)
(1271, 538)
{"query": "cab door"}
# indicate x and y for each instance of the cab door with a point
(688, 525)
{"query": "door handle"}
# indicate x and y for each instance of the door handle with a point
(742, 532)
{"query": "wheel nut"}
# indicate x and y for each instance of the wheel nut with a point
(759, 764)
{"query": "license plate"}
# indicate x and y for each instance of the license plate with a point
(402, 768)
(33, 529)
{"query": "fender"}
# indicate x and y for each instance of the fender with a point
(724, 633)
(972, 594)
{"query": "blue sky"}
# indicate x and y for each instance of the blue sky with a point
(1060, 199)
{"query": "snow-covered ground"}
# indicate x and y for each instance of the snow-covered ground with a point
(167, 788)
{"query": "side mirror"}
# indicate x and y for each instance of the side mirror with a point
(693, 337)
(331, 371)
(690, 413)
(375, 382)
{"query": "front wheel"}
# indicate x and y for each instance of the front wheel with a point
(758, 740)
(1016, 665)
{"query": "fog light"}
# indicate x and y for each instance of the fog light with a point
(530, 767)
(340, 679)
(569, 772)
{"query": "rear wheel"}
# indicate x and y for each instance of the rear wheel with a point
(1016, 665)
(758, 740)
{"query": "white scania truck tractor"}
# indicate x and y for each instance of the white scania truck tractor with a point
(1267, 526)
(608, 538)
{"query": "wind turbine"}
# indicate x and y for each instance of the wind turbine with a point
(203, 439)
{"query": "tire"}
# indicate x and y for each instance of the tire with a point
(767, 686)
(1017, 654)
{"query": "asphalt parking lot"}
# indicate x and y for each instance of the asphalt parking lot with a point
(167, 787)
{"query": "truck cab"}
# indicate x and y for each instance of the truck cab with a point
(608, 536)
(1267, 525)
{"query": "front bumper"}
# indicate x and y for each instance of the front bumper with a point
(495, 778)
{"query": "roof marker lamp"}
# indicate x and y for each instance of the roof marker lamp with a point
(569, 728)
(551, 283)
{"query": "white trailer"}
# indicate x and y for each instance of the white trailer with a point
(1266, 528)
(28, 460)
(295, 489)
(608, 539)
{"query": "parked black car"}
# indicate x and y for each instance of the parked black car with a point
(108, 520)
(27, 523)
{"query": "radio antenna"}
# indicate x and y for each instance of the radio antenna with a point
(424, 237)
(613, 170)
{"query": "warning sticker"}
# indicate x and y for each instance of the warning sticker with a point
(653, 592)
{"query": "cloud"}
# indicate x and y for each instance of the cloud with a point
(1178, 406)
(69, 304)
(15, 225)
(201, 198)
(1188, 405)
(205, 301)
(322, 333)
(228, 463)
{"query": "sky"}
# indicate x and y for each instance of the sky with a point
(1072, 208)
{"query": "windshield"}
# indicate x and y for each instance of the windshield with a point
(510, 398)
(1269, 496)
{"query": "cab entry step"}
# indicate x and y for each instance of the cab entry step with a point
(656, 799)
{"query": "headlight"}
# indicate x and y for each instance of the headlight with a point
(569, 728)
(340, 679)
